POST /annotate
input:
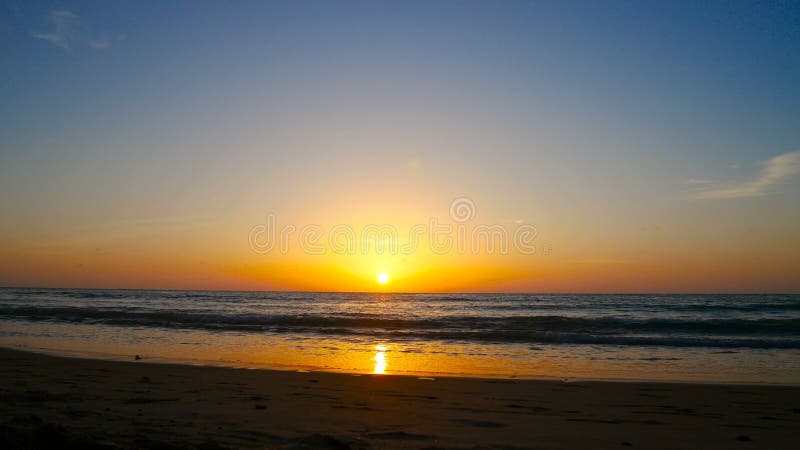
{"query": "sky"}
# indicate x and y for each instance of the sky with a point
(647, 146)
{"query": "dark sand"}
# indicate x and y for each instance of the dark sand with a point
(51, 402)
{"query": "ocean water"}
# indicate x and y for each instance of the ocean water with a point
(715, 338)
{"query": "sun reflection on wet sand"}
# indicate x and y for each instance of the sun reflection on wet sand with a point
(380, 359)
(277, 352)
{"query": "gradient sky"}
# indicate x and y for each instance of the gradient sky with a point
(653, 145)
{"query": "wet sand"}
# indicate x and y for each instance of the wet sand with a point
(52, 402)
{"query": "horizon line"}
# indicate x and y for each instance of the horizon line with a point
(298, 291)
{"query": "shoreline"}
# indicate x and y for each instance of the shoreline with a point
(128, 404)
(114, 357)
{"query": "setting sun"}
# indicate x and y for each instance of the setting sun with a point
(383, 278)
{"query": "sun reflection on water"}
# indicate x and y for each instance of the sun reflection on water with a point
(380, 359)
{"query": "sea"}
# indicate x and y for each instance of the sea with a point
(683, 338)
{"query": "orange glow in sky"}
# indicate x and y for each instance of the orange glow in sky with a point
(647, 158)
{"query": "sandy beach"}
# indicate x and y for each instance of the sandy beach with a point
(51, 402)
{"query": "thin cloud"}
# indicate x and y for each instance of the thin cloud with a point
(776, 170)
(64, 24)
(67, 32)
(54, 38)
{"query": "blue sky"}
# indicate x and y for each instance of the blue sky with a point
(677, 113)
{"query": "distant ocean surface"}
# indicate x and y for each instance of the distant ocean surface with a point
(740, 338)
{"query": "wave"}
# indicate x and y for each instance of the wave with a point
(745, 333)
(661, 302)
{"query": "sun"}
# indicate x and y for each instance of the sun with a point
(383, 278)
